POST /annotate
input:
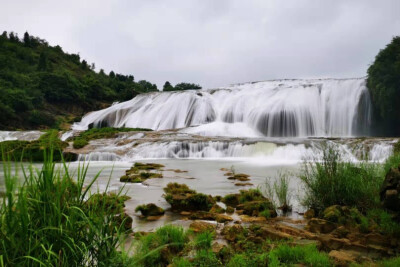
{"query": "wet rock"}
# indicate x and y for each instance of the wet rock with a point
(141, 172)
(201, 226)
(150, 210)
(269, 232)
(390, 190)
(230, 210)
(203, 215)
(255, 208)
(222, 218)
(240, 177)
(217, 209)
(243, 184)
(231, 200)
(309, 214)
(343, 215)
(342, 258)
(233, 233)
(153, 218)
(316, 225)
(250, 219)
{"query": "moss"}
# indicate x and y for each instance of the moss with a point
(254, 208)
(150, 210)
(141, 172)
(182, 198)
(231, 200)
(100, 133)
(34, 150)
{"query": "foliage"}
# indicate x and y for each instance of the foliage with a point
(49, 222)
(98, 133)
(386, 223)
(158, 248)
(308, 255)
(333, 181)
(384, 86)
(180, 86)
(203, 240)
(38, 80)
(279, 190)
(34, 150)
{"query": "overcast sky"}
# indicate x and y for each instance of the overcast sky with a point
(213, 42)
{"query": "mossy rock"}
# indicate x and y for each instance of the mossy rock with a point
(343, 215)
(234, 233)
(150, 210)
(231, 200)
(176, 188)
(141, 172)
(240, 177)
(230, 210)
(182, 198)
(254, 208)
(217, 209)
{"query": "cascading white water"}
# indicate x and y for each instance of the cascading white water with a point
(20, 135)
(326, 107)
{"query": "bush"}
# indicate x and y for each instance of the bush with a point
(308, 255)
(203, 240)
(158, 248)
(79, 143)
(334, 182)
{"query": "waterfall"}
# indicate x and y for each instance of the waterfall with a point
(279, 108)
(20, 135)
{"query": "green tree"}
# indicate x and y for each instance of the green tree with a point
(27, 39)
(384, 86)
(42, 65)
(187, 86)
(167, 86)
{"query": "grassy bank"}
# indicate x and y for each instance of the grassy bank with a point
(53, 220)
(99, 133)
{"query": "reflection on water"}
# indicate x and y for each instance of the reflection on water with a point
(204, 176)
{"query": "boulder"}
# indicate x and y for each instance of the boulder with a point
(390, 190)
(233, 233)
(254, 208)
(316, 225)
(201, 226)
(342, 258)
(222, 218)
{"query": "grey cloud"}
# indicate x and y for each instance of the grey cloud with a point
(211, 42)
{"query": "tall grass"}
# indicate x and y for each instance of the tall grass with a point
(333, 181)
(47, 221)
(278, 191)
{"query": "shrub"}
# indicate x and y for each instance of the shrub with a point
(205, 258)
(158, 248)
(279, 190)
(79, 143)
(308, 255)
(250, 195)
(334, 182)
(203, 240)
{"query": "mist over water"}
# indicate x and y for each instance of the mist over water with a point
(279, 108)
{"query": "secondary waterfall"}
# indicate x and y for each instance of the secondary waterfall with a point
(279, 108)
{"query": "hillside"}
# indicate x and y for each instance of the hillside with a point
(41, 86)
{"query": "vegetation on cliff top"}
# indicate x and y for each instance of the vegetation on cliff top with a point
(384, 86)
(41, 86)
